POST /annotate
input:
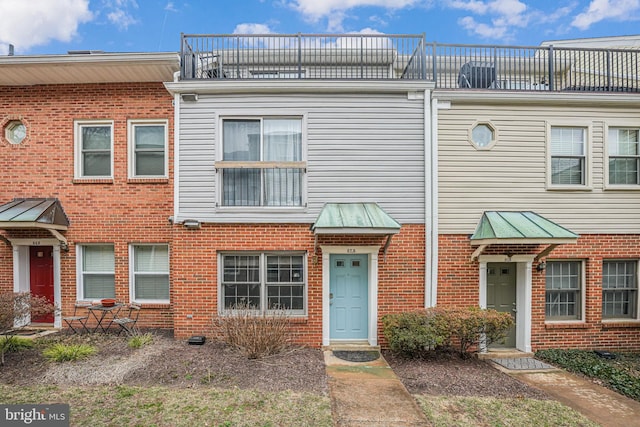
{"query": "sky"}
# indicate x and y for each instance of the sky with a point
(37, 27)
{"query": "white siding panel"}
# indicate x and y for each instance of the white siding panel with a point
(360, 147)
(512, 175)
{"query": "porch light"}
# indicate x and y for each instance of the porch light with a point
(191, 224)
(541, 266)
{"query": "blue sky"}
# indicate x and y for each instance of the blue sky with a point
(57, 26)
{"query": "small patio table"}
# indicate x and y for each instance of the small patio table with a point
(103, 314)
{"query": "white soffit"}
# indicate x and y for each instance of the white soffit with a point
(88, 68)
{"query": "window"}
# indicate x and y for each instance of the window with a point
(624, 156)
(96, 272)
(148, 149)
(563, 290)
(568, 156)
(15, 132)
(482, 136)
(262, 162)
(150, 273)
(94, 146)
(619, 289)
(264, 281)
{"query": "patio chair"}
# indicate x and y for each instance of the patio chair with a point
(78, 318)
(128, 322)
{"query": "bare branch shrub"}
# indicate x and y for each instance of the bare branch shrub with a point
(16, 308)
(256, 335)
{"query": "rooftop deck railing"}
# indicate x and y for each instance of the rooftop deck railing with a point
(392, 57)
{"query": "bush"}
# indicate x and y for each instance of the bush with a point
(13, 344)
(414, 333)
(16, 308)
(68, 352)
(255, 335)
(586, 362)
(138, 341)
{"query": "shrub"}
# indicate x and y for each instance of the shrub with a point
(614, 374)
(414, 333)
(16, 308)
(138, 341)
(256, 335)
(13, 344)
(68, 352)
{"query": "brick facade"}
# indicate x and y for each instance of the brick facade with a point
(458, 284)
(195, 271)
(119, 210)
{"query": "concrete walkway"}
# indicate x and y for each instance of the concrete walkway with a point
(369, 394)
(597, 403)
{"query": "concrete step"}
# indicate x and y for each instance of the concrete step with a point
(504, 354)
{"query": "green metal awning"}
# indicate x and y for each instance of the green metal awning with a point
(34, 213)
(519, 227)
(354, 218)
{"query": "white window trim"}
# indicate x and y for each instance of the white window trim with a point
(132, 273)
(79, 272)
(607, 144)
(77, 125)
(583, 294)
(263, 281)
(260, 115)
(624, 319)
(131, 124)
(588, 182)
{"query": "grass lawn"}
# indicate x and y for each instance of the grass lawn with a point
(490, 411)
(164, 406)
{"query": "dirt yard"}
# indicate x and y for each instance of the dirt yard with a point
(175, 363)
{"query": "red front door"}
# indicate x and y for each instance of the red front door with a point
(41, 273)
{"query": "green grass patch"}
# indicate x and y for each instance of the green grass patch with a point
(13, 344)
(138, 341)
(164, 406)
(68, 352)
(446, 411)
(621, 374)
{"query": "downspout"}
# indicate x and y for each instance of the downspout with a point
(176, 154)
(431, 200)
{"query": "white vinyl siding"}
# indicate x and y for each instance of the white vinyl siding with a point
(148, 149)
(620, 289)
(359, 147)
(94, 149)
(149, 273)
(96, 272)
(512, 175)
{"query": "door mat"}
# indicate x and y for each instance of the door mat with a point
(522, 364)
(357, 355)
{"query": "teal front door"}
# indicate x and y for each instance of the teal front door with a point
(349, 288)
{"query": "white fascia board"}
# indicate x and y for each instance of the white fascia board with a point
(514, 97)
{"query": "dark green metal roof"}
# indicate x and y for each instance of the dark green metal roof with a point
(354, 218)
(520, 227)
(36, 212)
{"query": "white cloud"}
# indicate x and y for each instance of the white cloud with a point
(483, 30)
(504, 16)
(335, 10)
(600, 10)
(170, 7)
(252, 29)
(119, 13)
(26, 24)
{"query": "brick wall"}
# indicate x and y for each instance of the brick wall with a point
(195, 271)
(458, 285)
(118, 211)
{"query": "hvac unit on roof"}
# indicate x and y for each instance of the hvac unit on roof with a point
(477, 75)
